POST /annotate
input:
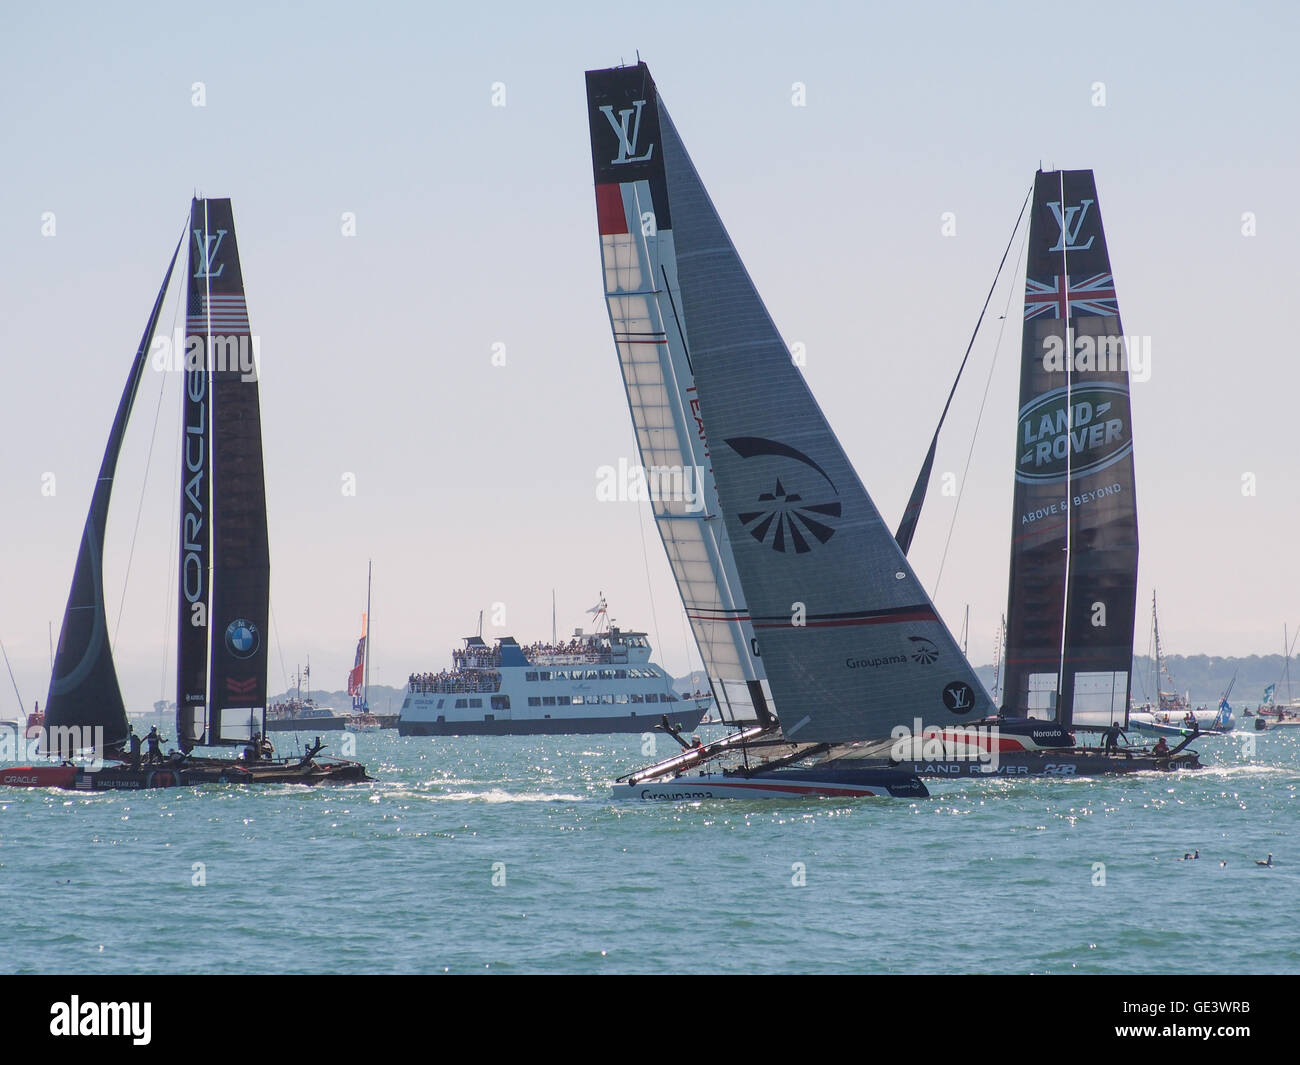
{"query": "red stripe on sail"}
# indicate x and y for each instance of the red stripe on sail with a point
(610, 216)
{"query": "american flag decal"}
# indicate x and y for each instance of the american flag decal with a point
(217, 314)
(1093, 296)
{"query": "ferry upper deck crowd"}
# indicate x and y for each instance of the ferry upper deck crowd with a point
(579, 649)
(448, 681)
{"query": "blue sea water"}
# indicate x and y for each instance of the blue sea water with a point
(506, 854)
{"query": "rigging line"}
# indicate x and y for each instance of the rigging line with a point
(907, 526)
(1286, 657)
(279, 645)
(645, 558)
(22, 706)
(997, 347)
(148, 462)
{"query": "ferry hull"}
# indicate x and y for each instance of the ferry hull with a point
(567, 726)
(858, 783)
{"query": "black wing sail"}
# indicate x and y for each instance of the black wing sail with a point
(1073, 582)
(241, 562)
(84, 691)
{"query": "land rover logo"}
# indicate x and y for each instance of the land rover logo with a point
(242, 639)
(1072, 432)
(924, 650)
(784, 518)
(959, 697)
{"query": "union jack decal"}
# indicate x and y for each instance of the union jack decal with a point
(1093, 295)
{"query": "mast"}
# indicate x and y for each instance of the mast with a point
(366, 694)
(1286, 654)
(84, 690)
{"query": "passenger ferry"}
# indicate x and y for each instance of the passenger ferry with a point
(596, 682)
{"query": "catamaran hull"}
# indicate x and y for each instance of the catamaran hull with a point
(124, 778)
(553, 726)
(783, 784)
(1050, 764)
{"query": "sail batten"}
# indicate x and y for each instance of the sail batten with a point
(651, 336)
(84, 691)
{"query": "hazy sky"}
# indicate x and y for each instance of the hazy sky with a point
(475, 227)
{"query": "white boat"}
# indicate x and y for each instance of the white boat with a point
(1173, 715)
(595, 682)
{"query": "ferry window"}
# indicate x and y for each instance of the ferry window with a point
(591, 699)
(475, 702)
(620, 674)
(461, 704)
(606, 674)
(534, 700)
(652, 698)
(530, 676)
(636, 698)
(440, 702)
(670, 698)
(620, 698)
(593, 675)
(606, 698)
(501, 702)
(545, 676)
(548, 700)
(577, 700)
(442, 719)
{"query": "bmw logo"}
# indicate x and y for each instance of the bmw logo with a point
(242, 639)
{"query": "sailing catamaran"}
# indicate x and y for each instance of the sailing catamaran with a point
(224, 571)
(831, 619)
(1072, 591)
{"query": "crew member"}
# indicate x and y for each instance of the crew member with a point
(155, 743)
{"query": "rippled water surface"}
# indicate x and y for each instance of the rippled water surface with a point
(505, 854)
